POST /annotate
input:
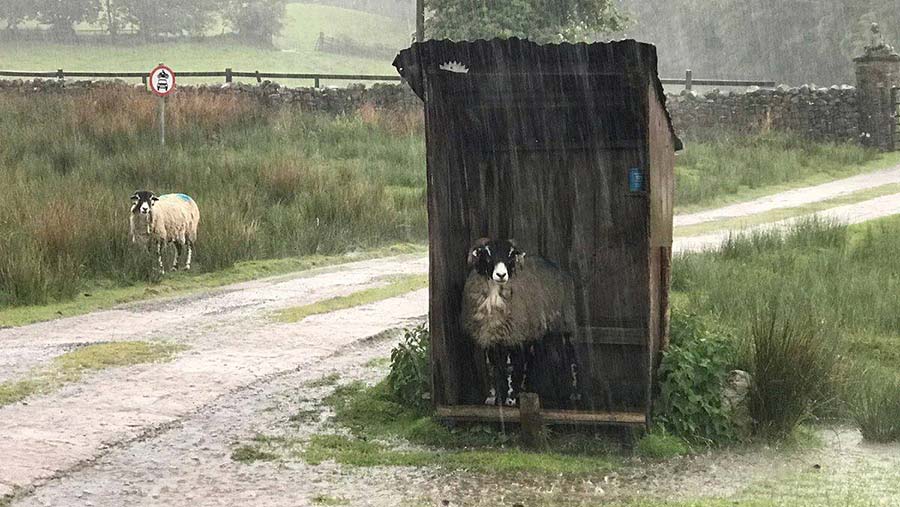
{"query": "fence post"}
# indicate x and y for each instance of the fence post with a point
(227, 74)
(688, 79)
(258, 79)
(144, 80)
(316, 85)
(59, 74)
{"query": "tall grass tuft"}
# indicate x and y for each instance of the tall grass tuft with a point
(875, 404)
(792, 365)
(269, 183)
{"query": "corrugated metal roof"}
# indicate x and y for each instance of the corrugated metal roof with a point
(521, 56)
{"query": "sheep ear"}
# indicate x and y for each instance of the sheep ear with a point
(474, 254)
(154, 199)
(520, 256)
(134, 197)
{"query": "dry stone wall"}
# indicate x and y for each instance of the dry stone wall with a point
(329, 100)
(826, 114)
(830, 114)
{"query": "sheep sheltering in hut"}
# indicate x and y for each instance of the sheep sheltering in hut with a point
(169, 218)
(512, 308)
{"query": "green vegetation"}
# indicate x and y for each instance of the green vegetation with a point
(661, 445)
(269, 184)
(409, 380)
(876, 405)
(328, 380)
(692, 376)
(793, 368)
(808, 308)
(815, 46)
(373, 416)
(72, 366)
(736, 168)
(396, 286)
(294, 52)
(250, 453)
(538, 20)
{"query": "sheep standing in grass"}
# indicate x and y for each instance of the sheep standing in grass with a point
(510, 307)
(169, 218)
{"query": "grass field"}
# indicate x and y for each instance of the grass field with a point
(845, 278)
(294, 51)
(270, 184)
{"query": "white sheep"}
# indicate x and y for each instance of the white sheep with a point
(510, 307)
(169, 218)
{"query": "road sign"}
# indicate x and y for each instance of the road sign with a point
(162, 80)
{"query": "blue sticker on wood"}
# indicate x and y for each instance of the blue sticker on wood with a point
(635, 180)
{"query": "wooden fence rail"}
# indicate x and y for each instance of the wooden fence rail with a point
(229, 74)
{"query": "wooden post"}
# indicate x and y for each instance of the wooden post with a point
(59, 74)
(530, 419)
(228, 74)
(162, 121)
(316, 83)
(144, 80)
(688, 79)
(420, 20)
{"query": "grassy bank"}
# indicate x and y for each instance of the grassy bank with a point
(736, 168)
(269, 183)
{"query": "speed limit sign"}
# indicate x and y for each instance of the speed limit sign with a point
(162, 80)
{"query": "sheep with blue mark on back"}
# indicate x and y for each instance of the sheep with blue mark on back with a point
(169, 218)
(510, 307)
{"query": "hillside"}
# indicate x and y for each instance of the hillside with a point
(294, 50)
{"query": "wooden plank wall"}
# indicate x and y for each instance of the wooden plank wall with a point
(570, 204)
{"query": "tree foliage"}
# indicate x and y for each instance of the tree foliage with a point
(14, 12)
(62, 15)
(795, 42)
(538, 20)
(255, 20)
(168, 17)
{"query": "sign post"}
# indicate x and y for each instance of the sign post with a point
(162, 83)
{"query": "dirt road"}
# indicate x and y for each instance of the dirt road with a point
(161, 434)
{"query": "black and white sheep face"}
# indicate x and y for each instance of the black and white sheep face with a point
(142, 202)
(495, 259)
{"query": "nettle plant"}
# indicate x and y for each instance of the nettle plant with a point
(410, 378)
(692, 377)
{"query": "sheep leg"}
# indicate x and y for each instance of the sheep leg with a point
(497, 358)
(518, 359)
(159, 245)
(190, 250)
(572, 364)
(178, 248)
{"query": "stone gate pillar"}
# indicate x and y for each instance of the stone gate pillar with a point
(877, 72)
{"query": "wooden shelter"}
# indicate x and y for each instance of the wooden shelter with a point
(568, 149)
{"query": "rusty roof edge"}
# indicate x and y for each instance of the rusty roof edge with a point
(410, 66)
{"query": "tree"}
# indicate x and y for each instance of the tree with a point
(255, 20)
(538, 20)
(170, 17)
(62, 15)
(803, 41)
(13, 12)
